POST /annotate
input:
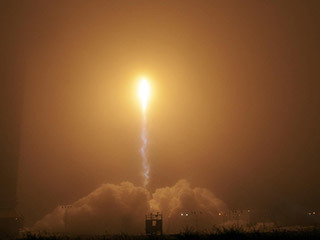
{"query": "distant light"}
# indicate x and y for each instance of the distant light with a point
(220, 214)
(248, 210)
(181, 214)
(309, 213)
(187, 214)
(314, 213)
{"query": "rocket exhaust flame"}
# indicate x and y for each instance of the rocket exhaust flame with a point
(144, 93)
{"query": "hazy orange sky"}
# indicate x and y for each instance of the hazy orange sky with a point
(234, 104)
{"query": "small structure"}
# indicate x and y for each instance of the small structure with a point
(11, 222)
(236, 217)
(154, 224)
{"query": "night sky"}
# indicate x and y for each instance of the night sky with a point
(234, 107)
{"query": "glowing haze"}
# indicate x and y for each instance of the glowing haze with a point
(144, 94)
(233, 103)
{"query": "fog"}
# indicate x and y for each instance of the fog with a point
(234, 106)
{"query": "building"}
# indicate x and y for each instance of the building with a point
(154, 224)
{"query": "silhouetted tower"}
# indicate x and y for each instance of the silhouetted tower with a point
(10, 110)
(154, 224)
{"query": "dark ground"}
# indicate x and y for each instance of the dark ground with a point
(231, 233)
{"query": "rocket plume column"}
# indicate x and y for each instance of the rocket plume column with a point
(143, 151)
(144, 94)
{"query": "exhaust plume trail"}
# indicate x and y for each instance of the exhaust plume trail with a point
(143, 151)
(144, 93)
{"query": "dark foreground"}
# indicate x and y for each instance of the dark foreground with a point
(233, 233)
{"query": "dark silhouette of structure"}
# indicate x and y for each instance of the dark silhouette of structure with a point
(10, 111)
(154, 224)
(10, 220)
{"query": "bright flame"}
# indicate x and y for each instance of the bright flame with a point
(144, 93)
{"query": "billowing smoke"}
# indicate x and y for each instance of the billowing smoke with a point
(183, 206)
(121, 209)
(109, 209)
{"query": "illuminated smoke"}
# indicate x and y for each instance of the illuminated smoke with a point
(109, 209)
(143, 151)
(182, 205)
(121, 208)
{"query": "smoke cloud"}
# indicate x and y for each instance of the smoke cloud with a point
(183, 206)
(121, 209)
(109, 209)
